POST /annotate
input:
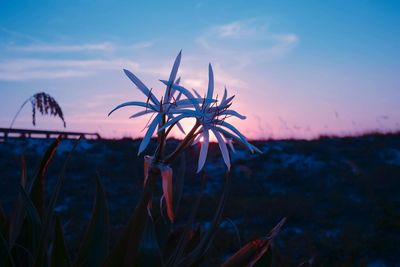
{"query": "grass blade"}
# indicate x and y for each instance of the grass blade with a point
(33, 221)
(59, 183)
(149, 253)
(197, 254)
(48, 218)
(185, 236)
(37, 187)
(5, 255)
(59, 252)
(246, 254)
(95, 243)
(125, 251)
(255, 253)
(17, 216)
(24, 177)
(3, 222)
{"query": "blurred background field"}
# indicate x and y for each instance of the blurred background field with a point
(340, 195)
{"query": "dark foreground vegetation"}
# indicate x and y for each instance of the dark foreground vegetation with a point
(340, 195)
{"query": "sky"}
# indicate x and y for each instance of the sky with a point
(298, 69)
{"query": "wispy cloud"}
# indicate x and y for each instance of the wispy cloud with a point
(247, 41)
(59, 48)
(25, 69)
(143, 45)
(14, 35)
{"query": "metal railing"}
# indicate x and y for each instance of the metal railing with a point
(28, 133)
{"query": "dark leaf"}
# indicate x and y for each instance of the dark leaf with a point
(37, 187)
(197, 254)
(24, 177)
(95, 243)
(3, 221)
(48, 218)
(33, 224)
(255, 253)
(59, 252)
(125, 251)
(149, 253)
(245, 255)
(18, 214)
(59, 183)
(180, 179)
(6, 259)
(185, 236)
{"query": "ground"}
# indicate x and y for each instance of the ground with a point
(339, 195)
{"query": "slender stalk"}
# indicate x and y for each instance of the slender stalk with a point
(19, 110)
(188, 138)
(161, 142)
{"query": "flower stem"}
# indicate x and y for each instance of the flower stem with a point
(16, 115)
(188, 138)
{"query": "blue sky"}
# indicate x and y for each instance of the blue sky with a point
(297, 68)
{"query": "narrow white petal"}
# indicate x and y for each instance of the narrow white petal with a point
(236, 135)
(196, 93)
(172, 121)
(233, 113)
(179, 96)
(188, 112)
(186, 102)
(172, 76)
(210, 90)
(196, 140)
(178, 124)
(141, 113)
(230, 143)
(227, 101)
(141, 86)
(149, 133)
(185, 92)
(223, 148)
(132, 103)
(256, 149)
(180, 127)
(173, 90)
(175, 67)
(203, 151)
(225, 95)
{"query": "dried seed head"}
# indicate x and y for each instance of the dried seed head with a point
(46, 105)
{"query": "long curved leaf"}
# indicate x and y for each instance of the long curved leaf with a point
(36, 191)
(3, 221)
(59, 252)
(125, 250)
(94, 247)
(197, 254)
(17, 216)
(48, 218)
(186, 234)
(255, 253)
(5, 256)
(33, 220)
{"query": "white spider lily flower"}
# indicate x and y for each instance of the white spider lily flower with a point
(211, 116)
(158, 108)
